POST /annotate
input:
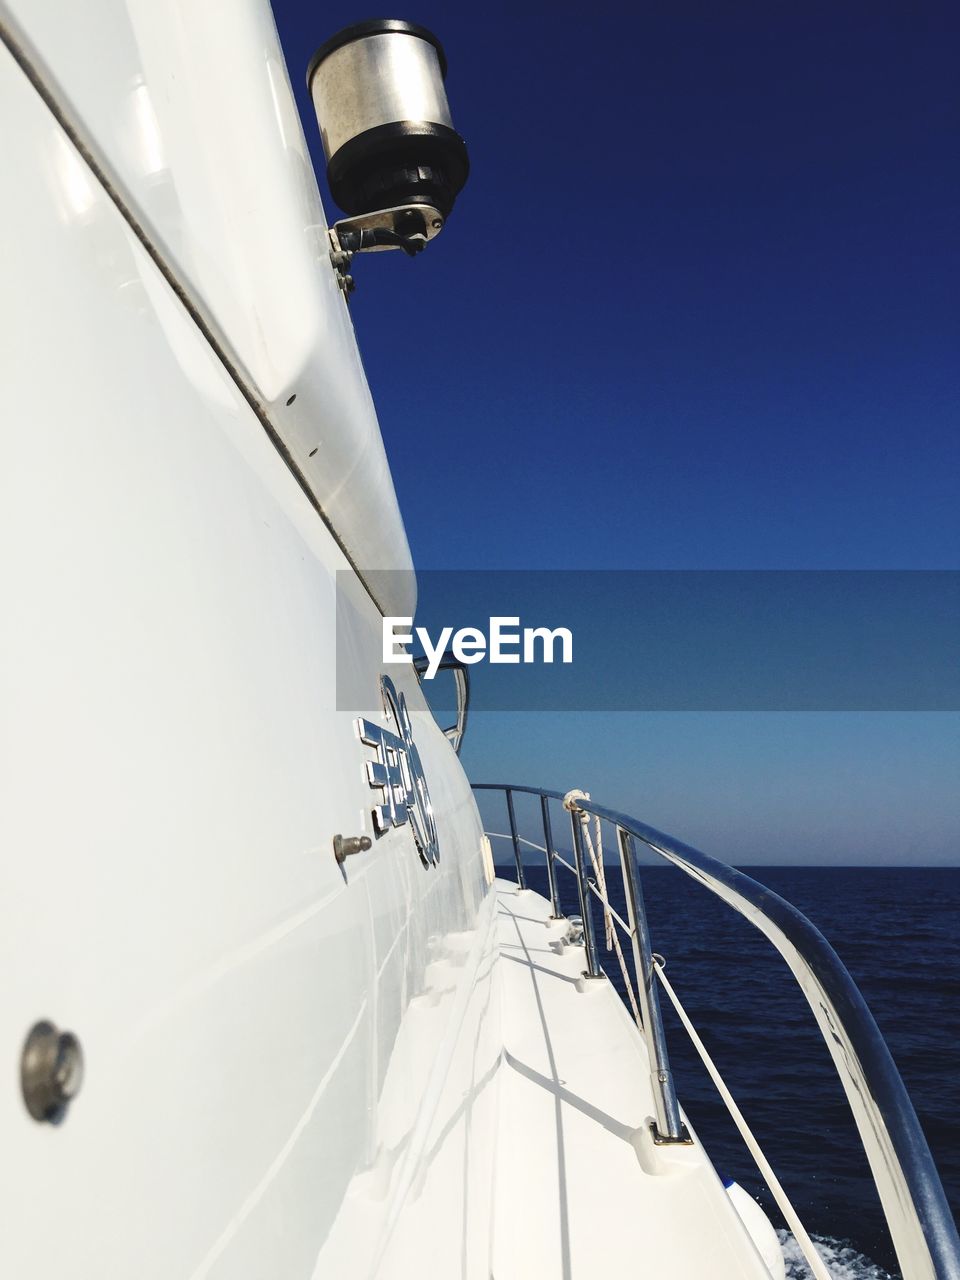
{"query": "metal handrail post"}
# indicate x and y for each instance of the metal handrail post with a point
(668, 1123)
(586, 911)
(551, 869)
(521, 878)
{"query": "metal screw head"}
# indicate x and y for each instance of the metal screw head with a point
(51, 1071)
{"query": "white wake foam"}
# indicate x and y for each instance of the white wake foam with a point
(841, 1260)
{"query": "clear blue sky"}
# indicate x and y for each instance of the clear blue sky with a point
(696, 308)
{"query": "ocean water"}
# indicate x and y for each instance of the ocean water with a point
(898, 932)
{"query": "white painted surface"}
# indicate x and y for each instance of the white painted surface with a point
(761, 1230)
(172, 772)
(581, 1189)
(187, 108)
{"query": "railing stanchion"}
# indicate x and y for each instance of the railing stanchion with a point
(521, 878)
(551, 868)
(586, 910)
(668, 1122)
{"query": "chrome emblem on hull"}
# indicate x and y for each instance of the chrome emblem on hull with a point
(397, 773)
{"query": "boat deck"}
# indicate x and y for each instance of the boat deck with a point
(581, 1189)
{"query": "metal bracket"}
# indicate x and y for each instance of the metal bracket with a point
(660, 1141)
(407, 226)
(340, 260)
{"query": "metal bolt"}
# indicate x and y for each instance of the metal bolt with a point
(345, 846)
(51, 1071)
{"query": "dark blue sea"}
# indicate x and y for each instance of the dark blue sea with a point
(898, 932)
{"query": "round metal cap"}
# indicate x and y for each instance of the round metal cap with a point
(375, 27)
(51, 1071)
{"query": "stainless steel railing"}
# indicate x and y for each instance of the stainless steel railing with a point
(911, 1194)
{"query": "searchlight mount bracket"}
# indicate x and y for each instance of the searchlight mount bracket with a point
(409, 227)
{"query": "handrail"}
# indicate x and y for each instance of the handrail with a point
(461, 677)
(921, 1224)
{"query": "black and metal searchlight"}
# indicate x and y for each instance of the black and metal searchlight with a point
(395, 163)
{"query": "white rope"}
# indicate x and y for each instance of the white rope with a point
(807, 1248)
(506, 835)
